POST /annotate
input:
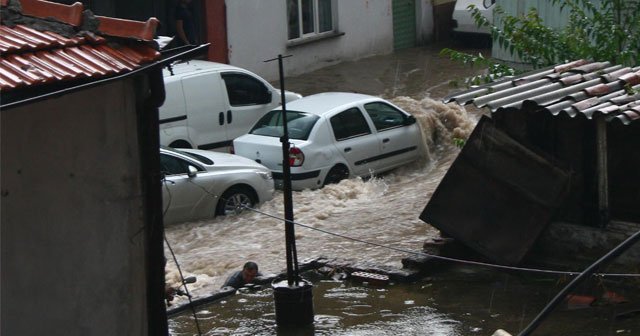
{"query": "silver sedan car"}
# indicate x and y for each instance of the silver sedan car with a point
(200, 184)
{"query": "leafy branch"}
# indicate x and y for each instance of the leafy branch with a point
(606, 30)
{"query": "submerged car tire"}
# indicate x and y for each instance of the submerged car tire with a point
(233, 201)
(336, 174)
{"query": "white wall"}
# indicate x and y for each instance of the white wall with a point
(257, 31)
(424, 18)
(72, 244)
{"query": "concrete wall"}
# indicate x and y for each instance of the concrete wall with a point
(425, 21)
(257, 31)
(575, 247)
(72, 244)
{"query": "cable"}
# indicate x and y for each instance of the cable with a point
(191, 305)
(477, 263)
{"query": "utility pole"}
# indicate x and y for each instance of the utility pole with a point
(293, 299)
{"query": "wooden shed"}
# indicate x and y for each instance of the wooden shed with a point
(560, 146)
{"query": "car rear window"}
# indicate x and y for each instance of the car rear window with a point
(299, 124)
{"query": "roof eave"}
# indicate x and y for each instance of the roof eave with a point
(7, 102)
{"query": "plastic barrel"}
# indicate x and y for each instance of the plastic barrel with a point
(294, 304)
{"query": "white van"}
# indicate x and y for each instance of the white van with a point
(209, 104)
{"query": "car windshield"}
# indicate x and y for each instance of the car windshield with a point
(299, 124)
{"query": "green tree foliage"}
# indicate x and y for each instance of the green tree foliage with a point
(606, 30)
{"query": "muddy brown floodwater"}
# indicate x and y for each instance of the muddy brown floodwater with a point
(383, 210)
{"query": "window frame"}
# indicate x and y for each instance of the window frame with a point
(182, 162)
(381, 127)
(316, 33)
(227, 79)
(337, 118)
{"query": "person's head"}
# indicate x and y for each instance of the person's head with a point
(249, 271)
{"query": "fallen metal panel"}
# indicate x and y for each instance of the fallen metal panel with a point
(497, 196)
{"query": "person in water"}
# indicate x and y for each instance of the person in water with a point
(246, 276)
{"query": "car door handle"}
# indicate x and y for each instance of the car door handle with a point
(221, 118)
(229, 117)
(385, 140)
(347, 150)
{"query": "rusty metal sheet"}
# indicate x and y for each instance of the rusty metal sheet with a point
(550, 91)
(498, 196)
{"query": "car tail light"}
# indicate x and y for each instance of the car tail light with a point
(296, 157)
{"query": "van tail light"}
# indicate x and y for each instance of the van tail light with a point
(231, 149)
(296, 157)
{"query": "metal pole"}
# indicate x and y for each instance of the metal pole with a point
(293, 304)
(290, 242)
(603, 171)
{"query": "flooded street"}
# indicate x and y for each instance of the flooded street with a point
(383, 210)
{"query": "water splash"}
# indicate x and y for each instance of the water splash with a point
(441, 123)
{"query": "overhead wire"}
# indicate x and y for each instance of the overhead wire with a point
(462, 261)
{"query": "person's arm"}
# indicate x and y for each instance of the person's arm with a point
(234, 280)
(180, 31)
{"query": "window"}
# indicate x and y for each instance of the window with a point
(349, 124)
(171, 165)
(384, 116)
(245, 90)
(299, 124)
(309, 17)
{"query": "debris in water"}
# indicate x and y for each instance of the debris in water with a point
(372, 278)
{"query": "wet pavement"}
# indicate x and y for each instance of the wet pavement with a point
(416, 73)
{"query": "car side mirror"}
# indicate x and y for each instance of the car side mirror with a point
(268, 97)
(409, 120)
(193, 171)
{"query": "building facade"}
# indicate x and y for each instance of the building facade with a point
(315, 33)
(319, 33)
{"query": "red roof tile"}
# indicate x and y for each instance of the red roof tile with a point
(69, 14)
(30, 57)
(127, 28)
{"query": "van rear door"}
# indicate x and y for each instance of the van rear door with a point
(206, 110)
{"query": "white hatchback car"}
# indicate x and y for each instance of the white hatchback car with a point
(201, 184)
(333, 135)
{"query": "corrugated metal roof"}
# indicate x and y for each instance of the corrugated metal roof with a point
(579, 88)
(31, 55)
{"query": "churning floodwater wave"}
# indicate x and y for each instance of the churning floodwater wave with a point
(383, 210)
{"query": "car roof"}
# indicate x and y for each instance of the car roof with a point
(326, 102)
(185, 68)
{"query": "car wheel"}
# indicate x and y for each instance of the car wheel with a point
(180, 144)
(234, 200)
(336, 174)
